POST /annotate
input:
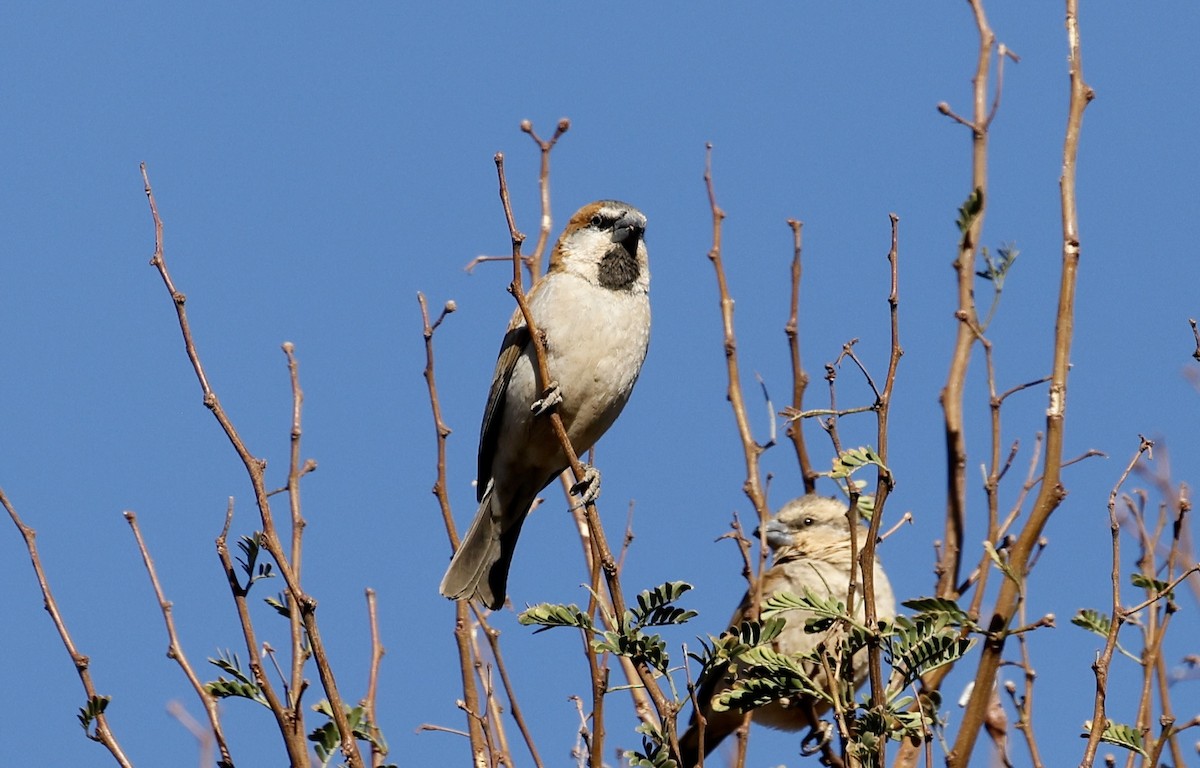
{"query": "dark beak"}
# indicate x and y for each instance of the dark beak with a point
(628, 231)
(778, 534)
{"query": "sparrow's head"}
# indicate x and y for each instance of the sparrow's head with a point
(604, 244)
(811, 525)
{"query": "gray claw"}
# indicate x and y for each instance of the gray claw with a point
(550, 398)
(589, 487)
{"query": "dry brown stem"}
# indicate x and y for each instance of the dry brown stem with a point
(296, 470)
(1050, 491)
(534, 261)
(751, 449)
(289, 719)
(462, 623)
(604, 554)
(493, 639)
(102, 733)
(795, 428)
(377, 653)
(949, 567)
(270, 540)
(1101, 665)
(175, 649)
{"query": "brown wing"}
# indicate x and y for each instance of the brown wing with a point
(489, 432)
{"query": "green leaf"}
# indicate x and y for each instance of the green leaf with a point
(654, 752)
(1001, 562)
(764, 676)
(636, 645)
(251, 550)
(1152, 586)
(280, 604)
(1099, 623)
(1093, 621)
(326, 739)
(827, 609)
(1124, 736)
(654, 606)
(997, 268)
(937, 606)
(970, 211)
(854, 459)
(241, 685)
(923, 643)
(94, 708)
(550, 615)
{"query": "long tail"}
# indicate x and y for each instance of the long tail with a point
(479, 570)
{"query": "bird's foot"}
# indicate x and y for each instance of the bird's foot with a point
(816, 738)
(589, 487)
(550, 398)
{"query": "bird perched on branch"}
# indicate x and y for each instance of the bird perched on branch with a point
(810, 545)
(593, 308)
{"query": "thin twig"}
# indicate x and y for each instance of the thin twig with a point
(462, 621)
(883, 486)
(296, 470)
(290, 728)
(534, 262)
(377, 653)
(102, 733)
(256, 469)
(175, 649)
(751, 449)
(493, 638)
(795, 430)
(1100, 666)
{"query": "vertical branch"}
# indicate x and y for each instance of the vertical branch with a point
(1051, 492)
(534, 261)
(883, 484)
(256, 471)
(595, 529)
(799, 376)
(175, 649)
(750, 448)
(597, 671)
(291, 728)
(462, 621)
(964, 265)
(103, 734)
(493, 639)
(1101, 665)
(296, 470)
(377, 652)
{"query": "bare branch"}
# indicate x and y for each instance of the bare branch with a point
(102, 733)
(175, 649)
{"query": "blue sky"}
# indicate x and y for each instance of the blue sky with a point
(317, 166)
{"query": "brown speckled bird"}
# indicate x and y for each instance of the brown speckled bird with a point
(810, 546)
(593, 306)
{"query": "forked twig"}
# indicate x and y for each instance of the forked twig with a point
(256, 469)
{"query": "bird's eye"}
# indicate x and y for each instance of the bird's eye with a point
(597, 221)
(808, 521)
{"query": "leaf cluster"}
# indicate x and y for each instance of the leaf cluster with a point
(938, 633)
(627, 637)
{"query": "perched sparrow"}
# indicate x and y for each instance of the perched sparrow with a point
(810, 544)
(593, 306)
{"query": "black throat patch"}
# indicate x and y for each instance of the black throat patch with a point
(618, 269)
